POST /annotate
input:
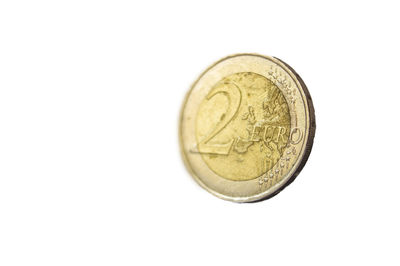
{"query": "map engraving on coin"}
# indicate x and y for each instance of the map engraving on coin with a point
(247, 127)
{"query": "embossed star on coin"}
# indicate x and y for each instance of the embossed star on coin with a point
(247, 127)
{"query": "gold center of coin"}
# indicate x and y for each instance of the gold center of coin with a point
(242, 126)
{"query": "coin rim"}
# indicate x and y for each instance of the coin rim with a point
(308, 144)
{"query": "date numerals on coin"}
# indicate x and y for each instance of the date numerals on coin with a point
(234, 95)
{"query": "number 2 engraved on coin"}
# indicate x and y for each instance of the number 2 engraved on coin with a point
(243, 126)
(234, 95)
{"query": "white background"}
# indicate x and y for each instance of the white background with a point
(90, 170)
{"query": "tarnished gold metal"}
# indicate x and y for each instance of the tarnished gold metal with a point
(247, 127)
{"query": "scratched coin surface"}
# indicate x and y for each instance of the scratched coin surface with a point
(247, 127)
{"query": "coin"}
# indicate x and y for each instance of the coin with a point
(247, 127)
